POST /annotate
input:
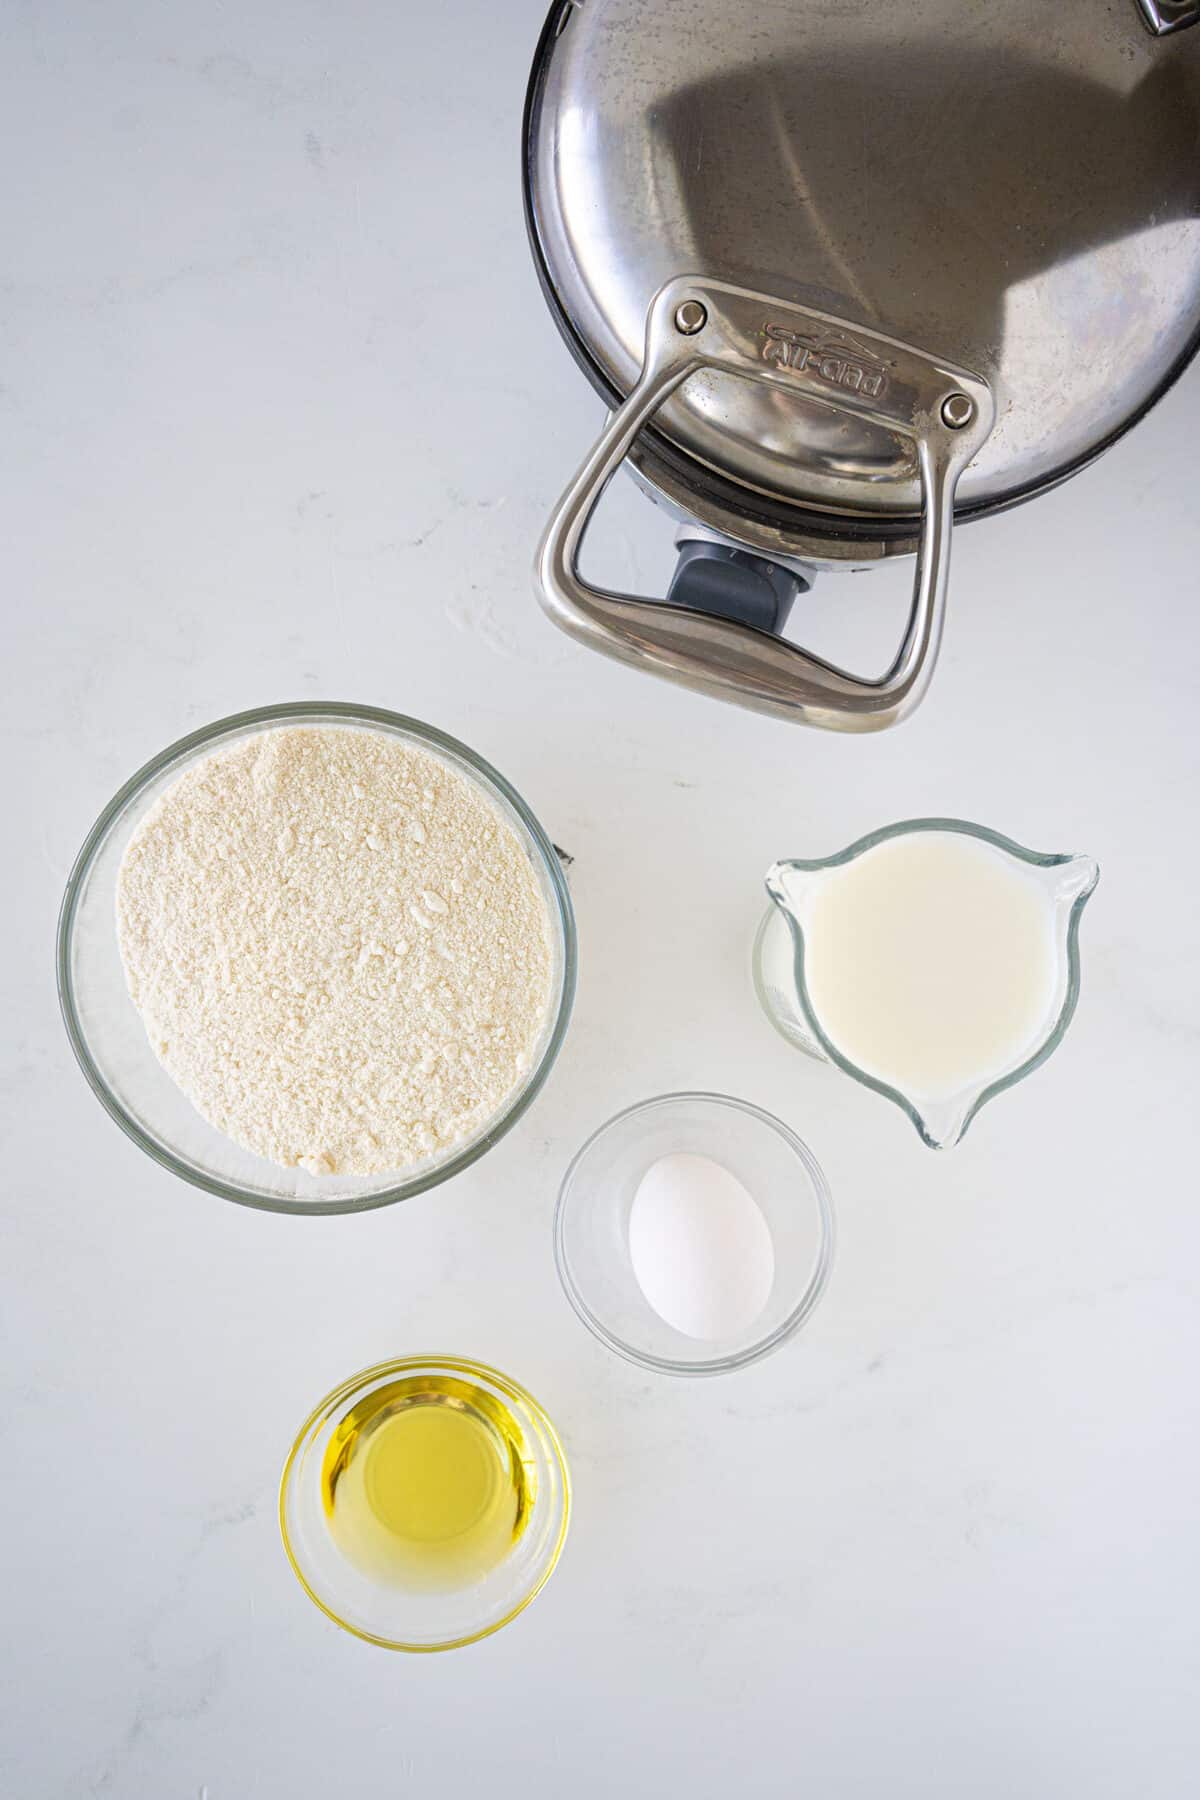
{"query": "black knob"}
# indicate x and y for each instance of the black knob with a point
(734, 584)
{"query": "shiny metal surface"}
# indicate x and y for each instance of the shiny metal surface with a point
(690, 316)
(957, 410)
(1163, 16)
(1011, 186)
(698, 328)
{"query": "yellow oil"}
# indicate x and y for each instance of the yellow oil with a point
(428, 1483)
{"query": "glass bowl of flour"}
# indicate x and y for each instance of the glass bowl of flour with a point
(316, 957)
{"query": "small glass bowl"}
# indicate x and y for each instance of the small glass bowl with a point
(109, 1038)
(591, 1227)
(401, 1618)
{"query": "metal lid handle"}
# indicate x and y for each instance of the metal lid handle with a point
(945, 411)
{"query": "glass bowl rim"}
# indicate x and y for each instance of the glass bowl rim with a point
(804, 1307)
(1038, 859)
(431, 1364)
(300, 711)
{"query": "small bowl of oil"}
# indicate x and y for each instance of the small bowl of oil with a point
(425, 1502)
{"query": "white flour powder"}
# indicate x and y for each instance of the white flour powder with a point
(338, 946)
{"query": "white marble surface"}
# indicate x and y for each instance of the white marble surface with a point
(283, 413)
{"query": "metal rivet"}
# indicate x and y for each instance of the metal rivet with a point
(690, 317)
(957, 410)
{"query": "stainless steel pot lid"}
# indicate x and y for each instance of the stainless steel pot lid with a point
(1013, 188)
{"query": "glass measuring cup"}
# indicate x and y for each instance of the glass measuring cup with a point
(789, 946)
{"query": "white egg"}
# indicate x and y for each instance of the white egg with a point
(700, 1247)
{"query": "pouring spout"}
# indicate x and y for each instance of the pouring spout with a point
(942, 1122)
(787, 883)
(1075, 879)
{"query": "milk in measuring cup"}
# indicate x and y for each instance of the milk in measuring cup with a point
(937, 961)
